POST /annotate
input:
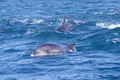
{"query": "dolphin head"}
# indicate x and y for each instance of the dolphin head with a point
(38, 52)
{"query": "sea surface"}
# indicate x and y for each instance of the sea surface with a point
(24, 24)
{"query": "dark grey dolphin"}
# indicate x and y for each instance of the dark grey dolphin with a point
(52, 49)
(64, 25)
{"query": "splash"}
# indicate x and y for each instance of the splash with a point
(79, 22)
(108, 25)
(26, 21)
(37, 21)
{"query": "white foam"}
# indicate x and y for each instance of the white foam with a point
(116, 40)
(108, 25)
(27, 21)
(24, 21)
(112, 13)
(79, 21)
(15, 20)
(37, 21)
(31, 31)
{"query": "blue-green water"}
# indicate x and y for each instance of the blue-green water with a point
(24, 24)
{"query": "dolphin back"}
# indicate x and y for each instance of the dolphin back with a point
(52, 48)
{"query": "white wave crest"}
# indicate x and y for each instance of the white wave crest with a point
(79, 21)
(36, 21)
(15, 20)
(108, 25)
(114, 40)
(27, 21)
(31, 31)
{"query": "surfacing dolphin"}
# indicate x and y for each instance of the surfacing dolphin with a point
(64, 25)
(53, 49)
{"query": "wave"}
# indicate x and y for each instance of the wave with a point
(25, 21)
(79, 22)
(114, 40)
(108, 25)
(109, 12)
(37, 21)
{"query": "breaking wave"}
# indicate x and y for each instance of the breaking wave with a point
(108, 25)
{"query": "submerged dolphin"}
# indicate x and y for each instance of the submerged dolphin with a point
(64, 25)
(52, 49)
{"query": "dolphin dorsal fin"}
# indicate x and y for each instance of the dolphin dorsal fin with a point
(64, 20)
(71, 47)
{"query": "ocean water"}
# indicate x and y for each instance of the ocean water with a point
(24, 24)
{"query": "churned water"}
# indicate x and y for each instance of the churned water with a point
(24, 24)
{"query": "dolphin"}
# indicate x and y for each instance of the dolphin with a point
(64, 25)
(53, 49)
